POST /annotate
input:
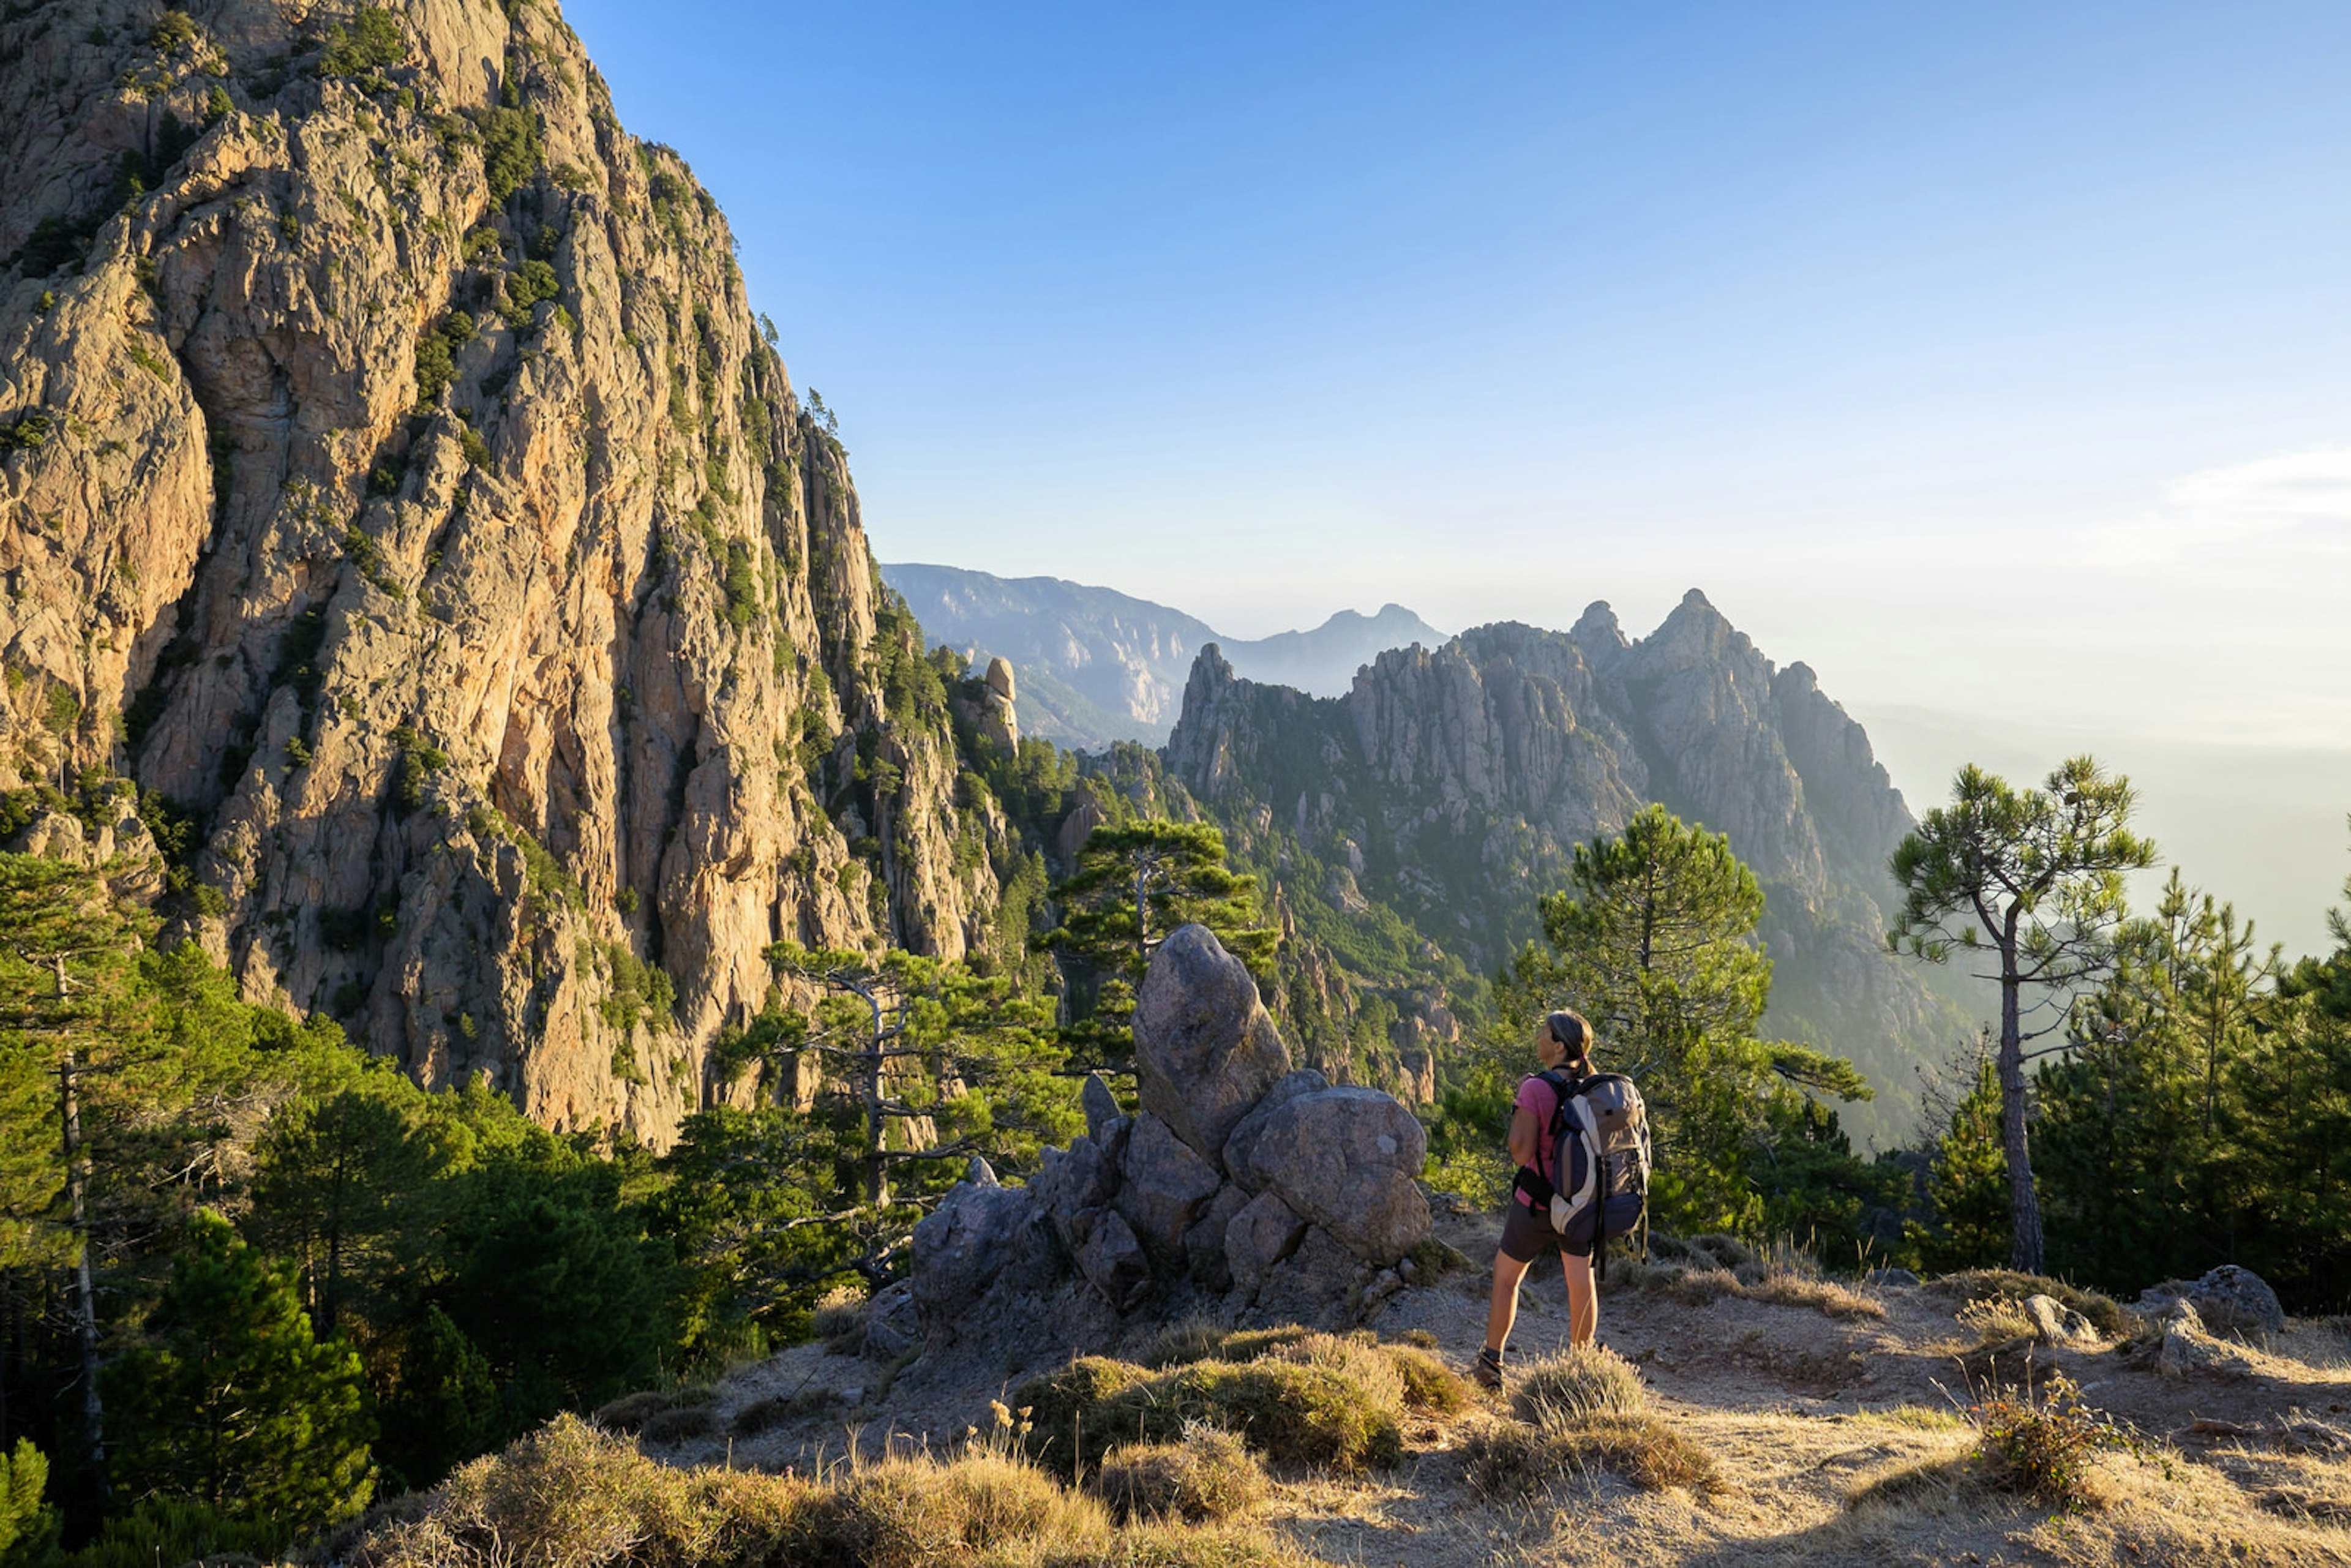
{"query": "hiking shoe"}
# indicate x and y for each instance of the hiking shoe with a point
(1488, 1369)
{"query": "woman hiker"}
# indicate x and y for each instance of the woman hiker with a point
(1562, 1044)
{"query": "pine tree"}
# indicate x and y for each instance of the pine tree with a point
(1134, 883)
(1653, 941)
(234, 1403)
(1968, 1187)
(2034, 880)
(28, 1525)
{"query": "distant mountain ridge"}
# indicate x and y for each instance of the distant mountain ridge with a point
(1452, 784)
(1096, 665)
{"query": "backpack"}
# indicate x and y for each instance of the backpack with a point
(1600, 1156)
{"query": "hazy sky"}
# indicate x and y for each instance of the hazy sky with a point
(1991, 358)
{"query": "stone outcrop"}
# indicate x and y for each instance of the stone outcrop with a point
(395, 482)
(1204, 1050)
(1345, 1159)
(1239, 1184)
(2229, 1299)
(2056, 1324)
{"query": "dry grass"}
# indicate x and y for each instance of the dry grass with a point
(1578, 1383)
(1506, 1459)
(1304, 1399)
(1710, 1268)
(1584, 1410)
(2006, 1285)
(666, 1407)
(767, 1415)
(1205, 1477)
(840, 1318)
(573, 1496)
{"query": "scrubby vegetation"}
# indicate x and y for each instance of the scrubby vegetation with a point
(1294, 1396)
(575, 1496)
(1584, 1410)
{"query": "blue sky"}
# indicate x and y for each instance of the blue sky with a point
(1993, 358)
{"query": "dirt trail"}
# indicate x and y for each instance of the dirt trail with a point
(1802, 1413)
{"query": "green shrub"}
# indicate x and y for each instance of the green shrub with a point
(436, 356)
(2046, 1444)
(526, 285)
(1206, 1475)
(640, 992)
(631, 1412)
(28, 1526)
(29, 433)
(511, 147)
(172, 30)
(1428, 1384)
(371, 43)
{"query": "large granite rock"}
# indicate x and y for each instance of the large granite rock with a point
(1318, 1284)
(2056, 1324)
(1319, 1205)
(1241, 1142)
(1345, 1159)
(1112, 1261)
(1100, 1104)
(2229, 1299)
(1205, 1049)
(982, 1234)
(1204, 1243)
(463, 634)
(1071, 1184)
(1164, 1184)
(1262, 1234)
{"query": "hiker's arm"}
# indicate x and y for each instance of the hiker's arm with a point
(1522, 1138)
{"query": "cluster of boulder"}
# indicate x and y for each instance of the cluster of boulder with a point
(1267, 1190)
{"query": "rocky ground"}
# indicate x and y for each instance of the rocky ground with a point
(1836, 1439)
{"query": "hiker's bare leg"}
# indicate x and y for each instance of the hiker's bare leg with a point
(1504, 1312)
(1583, 1301)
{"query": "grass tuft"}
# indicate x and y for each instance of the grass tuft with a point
(1208, 1476)
(1973, 1285)
(633, 1412)
(1578, 1383)
(1321, 1400)
(1506, 1459)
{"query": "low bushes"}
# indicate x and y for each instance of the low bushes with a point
(1206, 1476)
(1708, 1267)
(2045, 1443)
(634, 1412)
(1579, 1382)
(1579, 1411)
(2008, 1287)
(1305, 1398)
(575, 1496)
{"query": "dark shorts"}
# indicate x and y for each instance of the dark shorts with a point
(1527, 1236)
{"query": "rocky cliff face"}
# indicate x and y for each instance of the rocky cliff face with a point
(1452, 786)
(395, 484)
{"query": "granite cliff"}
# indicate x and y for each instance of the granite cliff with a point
(396, 487)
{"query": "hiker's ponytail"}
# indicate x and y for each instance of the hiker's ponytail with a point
(1574, 1037)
